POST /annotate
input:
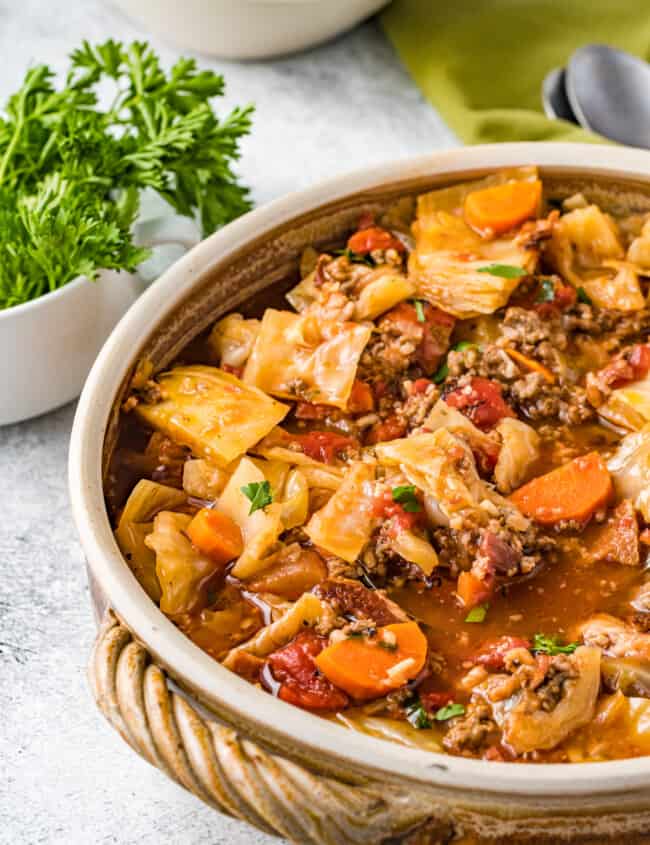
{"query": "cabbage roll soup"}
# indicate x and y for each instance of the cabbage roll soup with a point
(413, 496)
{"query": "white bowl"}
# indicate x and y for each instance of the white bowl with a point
(48, 345)
(250, 29)
(602, 799)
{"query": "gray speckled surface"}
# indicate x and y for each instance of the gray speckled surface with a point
(65, 776)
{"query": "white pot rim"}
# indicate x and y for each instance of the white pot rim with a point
(163, 638)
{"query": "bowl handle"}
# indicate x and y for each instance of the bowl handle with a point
(238, 777)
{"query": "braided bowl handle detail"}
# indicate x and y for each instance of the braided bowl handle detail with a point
(235, 775)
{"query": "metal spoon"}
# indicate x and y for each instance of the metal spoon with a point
(554, 99)
(609, 92)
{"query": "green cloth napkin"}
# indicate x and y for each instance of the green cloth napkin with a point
(481, 62)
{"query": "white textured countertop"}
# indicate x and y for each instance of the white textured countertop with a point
(65, 775)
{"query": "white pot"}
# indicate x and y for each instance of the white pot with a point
(539, 795)
(249, 29)
(48, 345)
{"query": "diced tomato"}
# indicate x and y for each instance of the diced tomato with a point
(431, 334)
(564, 297)
(433, 701)
(420, 385)
(372, 238)
(481, 401)
(324, 446)
(300, 681)
(486, 457)
(309, 411)
(385, 508)
(473, 590)
(361, 399)
(391, 429)
(632, 365)
(235, 371)
(492, 653)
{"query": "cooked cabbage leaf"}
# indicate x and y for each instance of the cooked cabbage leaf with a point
(136, 521)
(519, 450)
(260, 529)
(232, 339)
(629, 406)
(301, 357)
(215, 414)
(182, 571)
(344, 525)
(447, 261)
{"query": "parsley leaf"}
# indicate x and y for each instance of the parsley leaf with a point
(419, 310)
(464, 344)
(584, 297)
(417, 715)
(258, 494)
(406, 497)
(505, 271)
(546, 291)
(449, 711)
(552, 645)
(477, 614)
(71, 172)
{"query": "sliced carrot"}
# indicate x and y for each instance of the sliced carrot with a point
(216, 535)
(531, 365)
(570, 492)
(369, 667)
(503, 207)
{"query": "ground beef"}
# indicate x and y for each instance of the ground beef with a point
(620, 325)
(526, 330)
(473, 731)
(536, 399)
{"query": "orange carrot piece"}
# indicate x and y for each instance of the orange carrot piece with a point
(503, 207)
(570, 492)
(472, 590)
(369, 667)
(531, 365)
(216, 535)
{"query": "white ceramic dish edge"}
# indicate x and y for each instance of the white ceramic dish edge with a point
(150, 625)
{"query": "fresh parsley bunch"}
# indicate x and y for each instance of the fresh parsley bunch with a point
(71, 173)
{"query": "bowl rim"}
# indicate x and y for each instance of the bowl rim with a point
(299, 729)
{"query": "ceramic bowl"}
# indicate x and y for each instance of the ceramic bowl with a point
(250, 29)
(48, 345)
(339, 786)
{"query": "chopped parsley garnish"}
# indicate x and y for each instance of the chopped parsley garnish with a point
(477, 614)
(386, 645)
(584, 297)
(440, 374)
(419, 310)
(355, 635)
(546, 291)
(449, 711)
(552, 645)
(464, 344)
(505, 271)
(406, 497)
(258, 494)
(355, 257)
(417, 715)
